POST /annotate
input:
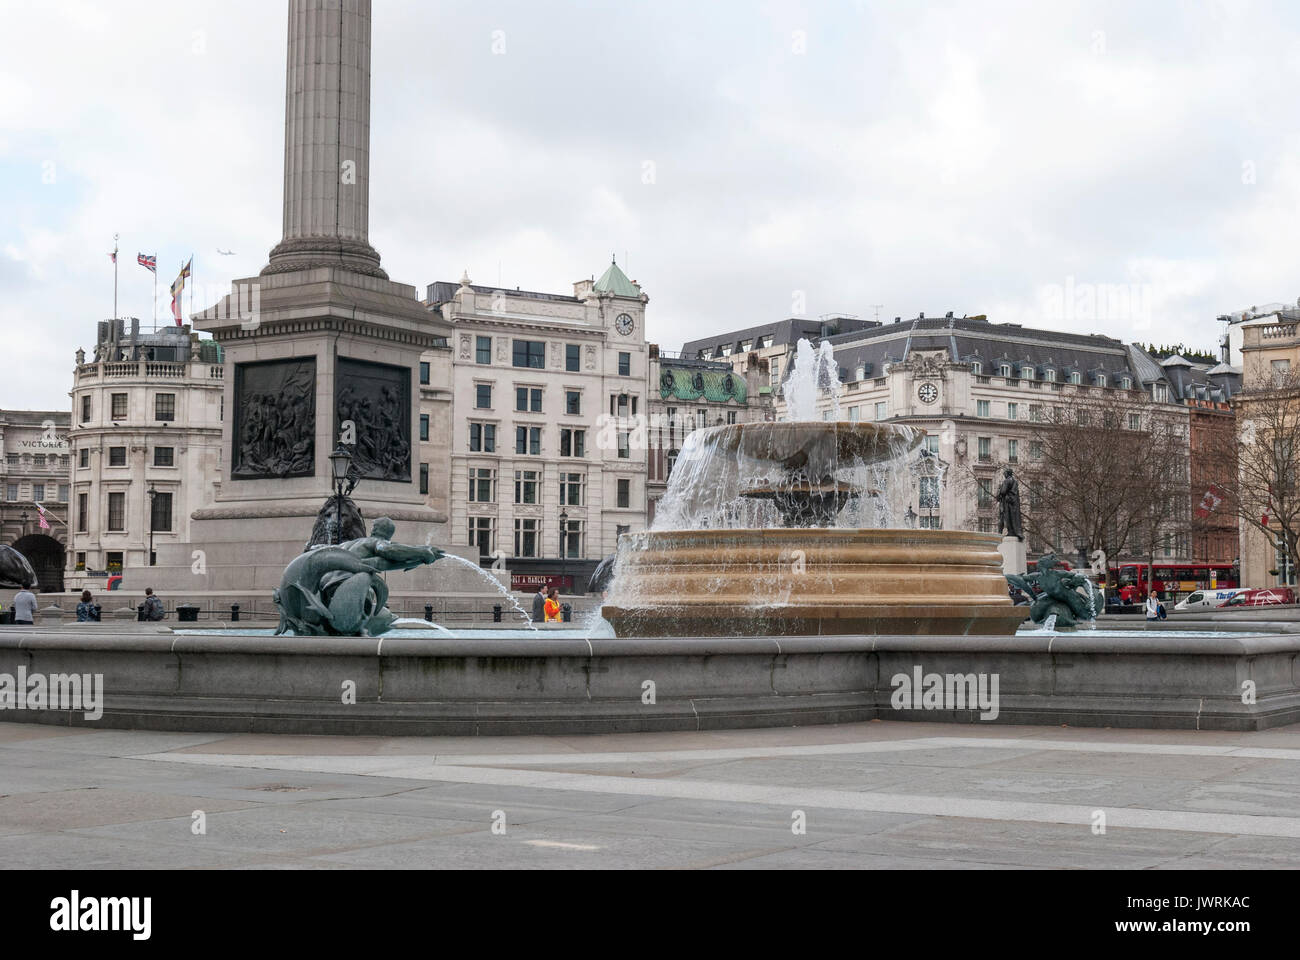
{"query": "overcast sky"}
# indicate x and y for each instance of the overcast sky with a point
(1126, 168)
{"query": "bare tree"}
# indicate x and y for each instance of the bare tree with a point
(1263, 492)
(1108, 468)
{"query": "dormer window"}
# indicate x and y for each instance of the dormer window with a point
(976, 367)
(1075, 377)
(1101, 379)
(724, 350)
(705, 353)
(861, 373)
(764, 342)
(1050, 374)
(1004, 370)
(746, 346)
(1126, 383)
(1027, 372)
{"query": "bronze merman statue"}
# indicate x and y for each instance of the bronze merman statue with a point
(337, 590)
(1055, 593)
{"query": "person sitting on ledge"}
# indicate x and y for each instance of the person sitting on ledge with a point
(25, 607)
(87, 609)
(553, 606)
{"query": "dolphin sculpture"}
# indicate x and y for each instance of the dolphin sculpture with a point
(15, 569)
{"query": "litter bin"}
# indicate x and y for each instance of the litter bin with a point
(187, 612)
(7, 616)
(139, 612)
(566, 612)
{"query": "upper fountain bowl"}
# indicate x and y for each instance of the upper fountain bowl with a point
(818, 447)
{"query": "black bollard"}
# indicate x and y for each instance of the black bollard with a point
(234, 613)
(566, 612)
(428, 612)
(139, 612)
(496, 613)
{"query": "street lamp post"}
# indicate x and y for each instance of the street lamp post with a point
(152, 493)
(340, 464)
(23, 517)
(564, 544)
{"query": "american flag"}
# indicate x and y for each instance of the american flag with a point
(113, 256)
(149, 263)
(44, 524)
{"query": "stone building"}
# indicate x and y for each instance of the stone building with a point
(1270, 351)
(976, 388)
(549, 402)
(144, 443)
(34, 466)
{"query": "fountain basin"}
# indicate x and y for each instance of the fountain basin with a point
(809, 582)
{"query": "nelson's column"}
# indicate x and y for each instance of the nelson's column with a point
(317, 346)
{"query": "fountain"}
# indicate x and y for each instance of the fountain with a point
(787, 528)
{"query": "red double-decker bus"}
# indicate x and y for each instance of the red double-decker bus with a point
(1167, 579)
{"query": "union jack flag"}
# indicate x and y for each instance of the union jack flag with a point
(149, 263)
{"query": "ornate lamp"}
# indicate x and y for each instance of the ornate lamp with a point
(564, 544)
(340, 464)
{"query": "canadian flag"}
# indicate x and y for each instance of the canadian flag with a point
(1210, 502)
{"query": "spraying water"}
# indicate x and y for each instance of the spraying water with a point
(496, 584)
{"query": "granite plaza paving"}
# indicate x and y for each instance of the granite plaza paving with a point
(878, 795)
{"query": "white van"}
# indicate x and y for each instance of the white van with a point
(1208, 599)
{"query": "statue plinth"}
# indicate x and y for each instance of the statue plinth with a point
(1014, 559)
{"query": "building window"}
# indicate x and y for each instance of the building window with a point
(1101, 379)
(1013, 451)
(573, 402)
(530, 353)
(481, 482)
(64, 492)
(573, 541)
(976, 367)
(525, 486)
(117, 512)
(481, 535)
(573, 443)
(83, 513)
(725, 349)
(701, 418)
(929, 494)
(483, 396)
(164, 456)
(424, 372)
(119, 406)
(85, 409)
(1050, 374)
(483, 350)
(981, 408)
(483, 437)
(625, 364)
(618, 406)
(571, 489)
(1013, 411)
(528, 440)
(882, 410)
(572, 357)
(1135, 421)
(11, 492)
(1036, 449)
(624, 446)
(624, 493)
(1026, 373)
(984, 493)
(1004, 370)
(81, 560)
(113, 561)
(1075, 377)
(161, 512)
(83, 457)
(1036, 412)
(765, 342)
(38, 492)
(985, 449)
(671, 461)
(117, 456)
(775, 366)
(164, 407)
(855, 414)
(731, 416)
(1125, 383)
(932, 443)
(424, 478)
(746, 346)
(12, 459)
(424, 426)
(525, 537)
(528, 399)
(38, 461)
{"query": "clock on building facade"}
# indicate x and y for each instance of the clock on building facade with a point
(623, 323)
(927, 393)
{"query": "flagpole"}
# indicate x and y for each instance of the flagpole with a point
(115, 276)
(191, 287)
(155, 294)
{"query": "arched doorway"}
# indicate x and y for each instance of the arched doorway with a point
(45, 554)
